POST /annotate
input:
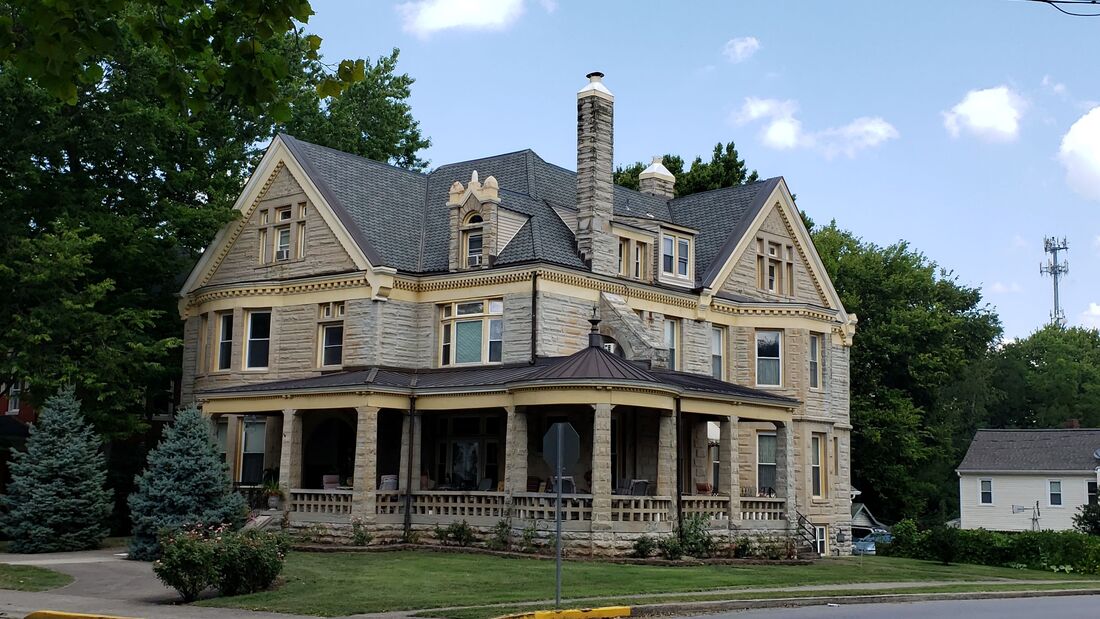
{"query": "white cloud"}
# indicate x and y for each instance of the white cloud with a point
(1080, 155)
(426, 17)
(783, 130)
(740, 49)
(1091, 316)
(1056, 87)
(1002, 288)
(992, 114)
(549, 5)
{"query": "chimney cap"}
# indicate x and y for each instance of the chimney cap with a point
(657, 169)
(595, 87)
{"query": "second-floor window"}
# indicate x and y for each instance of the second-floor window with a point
(1055, 487)
(225, 341)
(676, 256)
(815, 360)
(259, 339)
(331, 333)
(769, 361)
(471, 332)
(672, 342)
(985, 491)
(817, 468)
(717, 353)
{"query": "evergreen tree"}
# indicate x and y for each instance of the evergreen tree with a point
(57, 500)
(185, 483)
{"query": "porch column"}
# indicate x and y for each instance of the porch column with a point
(290, 457)
(233, 446)
(729, 480)
(515, 455)
(700, 454)
(785, 475)
(601, 466)
(666, 454)
(366, 462)
(410, 452)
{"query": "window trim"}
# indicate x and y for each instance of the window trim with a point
(473, 226)
(487, 318)
(14, 401)
(992, 499)
(677, 239)
(1050, 494)
(822, 469)
(816, 375)
(756, 358)
(675, 358)
(759, 463)
(224, 363)
(323, 346)
(248, 339)
(272, 223)
(720, 331)
(1095, 493)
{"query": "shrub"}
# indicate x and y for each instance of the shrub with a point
(644, 547)
(945, 543)
(458, 532)
(743, 547)
(188, 562)
(360, 536)
(695, 540)
(185, 482)
(1087, 519)
(530, 540)
(670, 548)
(57, 500)
(501, 538)
(249, 561)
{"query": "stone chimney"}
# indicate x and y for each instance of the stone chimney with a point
(595, 121)
(657, 180)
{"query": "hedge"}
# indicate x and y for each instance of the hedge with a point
(1059, 551)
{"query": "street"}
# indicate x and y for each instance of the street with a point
(1069, 607)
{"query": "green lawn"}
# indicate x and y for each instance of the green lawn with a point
(29, 578)
(344, 584)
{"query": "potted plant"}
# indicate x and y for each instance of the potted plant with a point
(274, 494)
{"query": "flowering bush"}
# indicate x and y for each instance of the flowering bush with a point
(196, 558)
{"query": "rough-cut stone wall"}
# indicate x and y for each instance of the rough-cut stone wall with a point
(743, 280)
(517, 328)
(695, 346)
(191, 335)
(563, 324)
(323, 252)
(595, 158)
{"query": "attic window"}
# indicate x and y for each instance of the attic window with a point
(676, 257)
(473, 241)
(774, 267)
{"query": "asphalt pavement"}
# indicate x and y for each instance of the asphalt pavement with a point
(1069, 607)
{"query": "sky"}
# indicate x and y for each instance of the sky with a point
(968, 128)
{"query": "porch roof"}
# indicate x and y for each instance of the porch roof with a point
(592, 367)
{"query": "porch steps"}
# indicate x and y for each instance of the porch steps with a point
(262, 521)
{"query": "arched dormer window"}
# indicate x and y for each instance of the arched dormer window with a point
(473, 236)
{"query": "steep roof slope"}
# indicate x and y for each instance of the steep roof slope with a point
(1033, 450)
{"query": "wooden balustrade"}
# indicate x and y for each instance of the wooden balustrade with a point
(763, 508)
(641, 512)
(576, 509)
(713, 507)
(320, 505)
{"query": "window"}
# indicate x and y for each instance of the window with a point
(821, 539)
(1090, 492)
(15, 395)
(815, 360)
(717, 353)
(836, 457)
(283, 214)
(282, 243)
(471, 332)
(985, 491)
(672, 342)
(225, 341)
(1055, 487)
(259, 339)
(769, 345)
(473, 241)
(254, 440)
(775, 267)
(766, 466)
(817, 470)
(640, 252)
(221, 436)
(204, 344)
(676, 256)
(624, 257)
(332, 344)
(282, 233)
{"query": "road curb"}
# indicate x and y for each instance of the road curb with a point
(603, 612)
(59, 614)
(715, 606)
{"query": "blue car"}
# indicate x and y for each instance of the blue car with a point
(866, 545)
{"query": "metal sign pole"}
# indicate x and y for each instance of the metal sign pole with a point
(557, 518)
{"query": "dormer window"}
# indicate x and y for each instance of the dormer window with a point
(473, 241)
(676, 256)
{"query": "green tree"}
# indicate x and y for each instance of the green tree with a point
(919, 333)
(57, 500)
(725, 169)
(185, 483)
(1087, 519)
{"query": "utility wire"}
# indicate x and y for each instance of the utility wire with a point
(1057, 5)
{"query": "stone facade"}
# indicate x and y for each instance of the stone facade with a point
(595, 159)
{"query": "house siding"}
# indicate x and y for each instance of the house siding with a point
(1022, 490)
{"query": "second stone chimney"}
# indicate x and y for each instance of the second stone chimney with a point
(657, 180)
(595, 138)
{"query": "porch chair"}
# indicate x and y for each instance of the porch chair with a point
(389, 482)
(330, 482)
(704, 488)
(639, 487)
(485, 485)
(568, 486)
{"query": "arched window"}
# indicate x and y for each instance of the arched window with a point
(472, 240)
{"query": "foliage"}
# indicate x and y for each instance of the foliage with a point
(195, 558)
(695, 540)
(360, 535)
(1059, 551)
(644, 547)
(529, 541)
(501, 535)
(271, 488)
(56, 500)
(219, 49)
(458, 532)
(670, 548)
(725, 169)
(1087, 519)
(743, 547)
(185, 483)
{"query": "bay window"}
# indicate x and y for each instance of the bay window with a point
(471, 332)
(225, 341)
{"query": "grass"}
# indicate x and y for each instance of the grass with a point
(344, 584)
(30, 578)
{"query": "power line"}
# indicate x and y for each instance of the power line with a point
(1057, 4)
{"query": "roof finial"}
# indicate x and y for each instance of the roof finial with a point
(595, 340)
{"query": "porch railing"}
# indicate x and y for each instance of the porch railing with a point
(436, 506)
(640, 512)
(763, 508)
(576, 509)
(320, 505)
(713, 507)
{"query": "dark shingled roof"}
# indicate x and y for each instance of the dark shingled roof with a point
(589, 364)
(399, 217)
(1032, 450)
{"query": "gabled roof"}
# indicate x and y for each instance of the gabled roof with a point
(399, 218)
(1032, 450)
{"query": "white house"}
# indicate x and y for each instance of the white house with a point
(1022, 480)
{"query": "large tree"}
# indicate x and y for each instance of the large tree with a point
(726, 168)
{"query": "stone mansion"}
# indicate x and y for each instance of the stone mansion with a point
(391, 346)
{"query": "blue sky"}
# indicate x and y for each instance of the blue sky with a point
(970, 128)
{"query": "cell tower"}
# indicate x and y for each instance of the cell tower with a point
(1056, 270)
